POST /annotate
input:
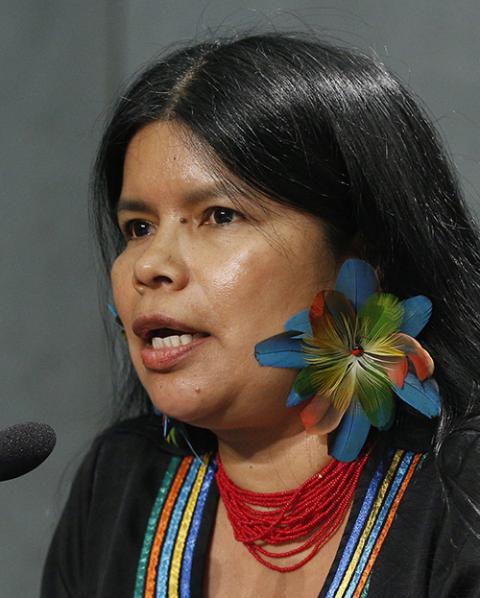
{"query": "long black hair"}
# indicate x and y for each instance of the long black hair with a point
(328, 131)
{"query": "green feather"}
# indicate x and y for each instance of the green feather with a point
(381, 315)
(304, 384)
(374, 391)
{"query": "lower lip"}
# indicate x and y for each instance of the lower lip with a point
(164, 358)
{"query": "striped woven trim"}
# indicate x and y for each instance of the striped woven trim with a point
(165, 563)
(373, 523)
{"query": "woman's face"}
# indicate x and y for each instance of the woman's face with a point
(235, 273)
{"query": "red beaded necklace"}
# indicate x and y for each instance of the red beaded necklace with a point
(314, 510)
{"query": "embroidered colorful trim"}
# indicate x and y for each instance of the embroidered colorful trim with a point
(165, 563)
(373, 523)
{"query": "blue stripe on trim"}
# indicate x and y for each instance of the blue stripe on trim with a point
(171, 533)
(359, 524)
(187, 560)
(378, 525)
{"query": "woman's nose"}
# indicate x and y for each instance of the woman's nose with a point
(160, 264)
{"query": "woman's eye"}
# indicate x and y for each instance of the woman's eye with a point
(133, 229)
(222, 215)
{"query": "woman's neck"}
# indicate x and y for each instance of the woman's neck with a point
(259, 463)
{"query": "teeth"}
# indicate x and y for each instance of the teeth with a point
(174, 340)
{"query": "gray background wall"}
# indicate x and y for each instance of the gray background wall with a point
(61, 63)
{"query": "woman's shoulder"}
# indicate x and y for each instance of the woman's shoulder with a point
(129, 447)
(452, 481)
(436, 486)
(443, 458)
(450, 478)
(451, 469)
(458, 462)
(108, 508)
(424, 506)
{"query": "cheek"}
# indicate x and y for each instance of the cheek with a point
(251, 294)
(120, 277)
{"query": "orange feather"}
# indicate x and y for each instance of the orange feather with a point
(318, 307)
(420, 358)
(397, 371)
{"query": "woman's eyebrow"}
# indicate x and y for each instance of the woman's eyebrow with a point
(191, 197)
(132, 205)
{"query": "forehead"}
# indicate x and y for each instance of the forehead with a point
(162, 155)
(165, 160)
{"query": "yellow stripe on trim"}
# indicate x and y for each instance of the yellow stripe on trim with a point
(176, 563)
(370, 522)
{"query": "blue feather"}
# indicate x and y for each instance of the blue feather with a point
(295, 399)
(166, 421)
(115, 315)
(351, 434)
(357, 280)
(281, 351)
(417, 312)
(299, 335)
(112, 310)
(423, 397)
(300, 321)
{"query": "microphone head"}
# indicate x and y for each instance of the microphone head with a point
(23, 447)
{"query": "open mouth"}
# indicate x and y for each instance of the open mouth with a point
(168, 337)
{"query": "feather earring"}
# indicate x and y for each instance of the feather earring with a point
(171, 431)
(355, 345)
(116, 317)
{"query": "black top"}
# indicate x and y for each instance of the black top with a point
(140, 515)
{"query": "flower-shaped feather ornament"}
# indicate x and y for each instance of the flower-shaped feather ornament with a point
(356, 347)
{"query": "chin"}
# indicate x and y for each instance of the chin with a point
(196, 394)
(187, 404)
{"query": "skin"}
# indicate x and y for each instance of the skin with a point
(232, 281)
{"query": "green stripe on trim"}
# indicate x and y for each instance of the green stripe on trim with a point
(364, 593)
(152, 525)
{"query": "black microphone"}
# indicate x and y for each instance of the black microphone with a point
(23, 447)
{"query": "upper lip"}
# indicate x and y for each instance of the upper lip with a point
(144, 325)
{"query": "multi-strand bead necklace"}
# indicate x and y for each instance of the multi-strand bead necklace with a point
(313, 511)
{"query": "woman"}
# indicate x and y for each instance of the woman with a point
(241, 186)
